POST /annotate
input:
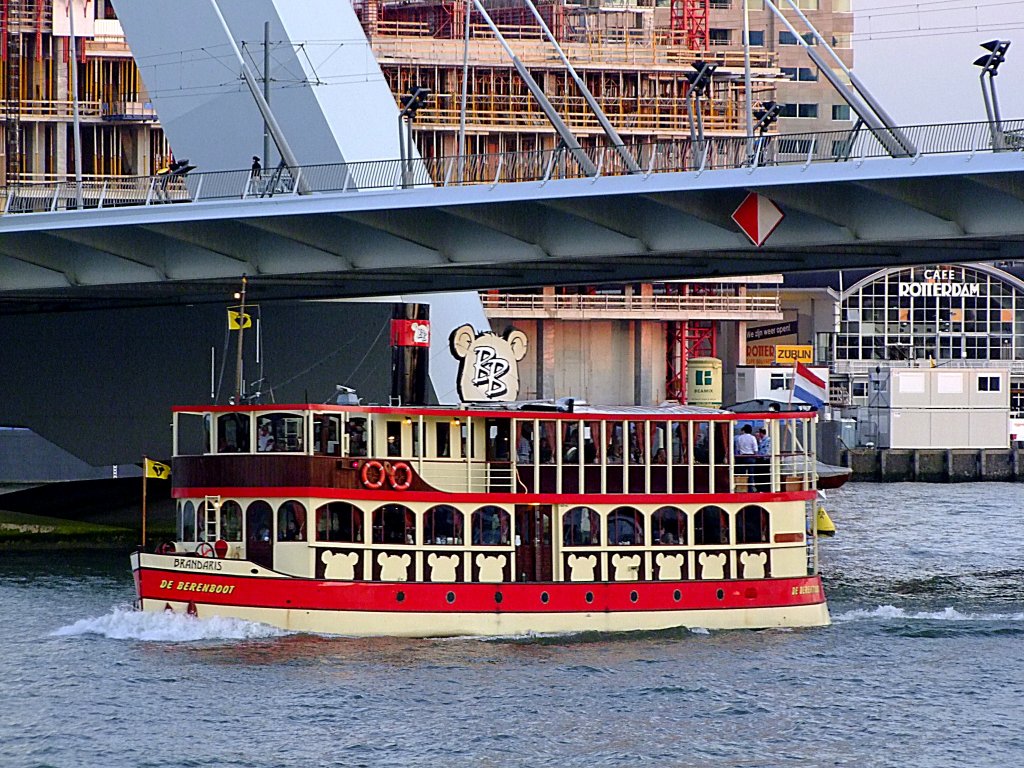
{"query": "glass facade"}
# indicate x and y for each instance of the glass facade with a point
(944, 313)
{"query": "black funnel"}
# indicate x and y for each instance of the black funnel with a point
(410, 353)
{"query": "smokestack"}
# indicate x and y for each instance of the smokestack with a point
(410, 353)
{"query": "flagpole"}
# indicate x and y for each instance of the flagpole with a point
(145, 473)
(238, 359)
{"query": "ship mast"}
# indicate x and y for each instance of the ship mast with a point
(241, 330)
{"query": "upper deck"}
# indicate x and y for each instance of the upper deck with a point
(546, 451)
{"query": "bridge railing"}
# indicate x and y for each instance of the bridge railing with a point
(855, 144)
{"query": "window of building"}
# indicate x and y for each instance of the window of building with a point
(806, 110)
(720, 36)
(291, 521)
(809, 38)
(668, 527)
(491, 526)
(394, 524)
(339, 521)
(752, 525)
(442, 525)
(581, 527)
(787, 38)
(840, 111)
(721, 4)
(790, 72)
(808, 5)
(625, 527)
(757, 38)
(807, 74)
(988, 383)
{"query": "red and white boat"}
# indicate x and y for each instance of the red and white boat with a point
(495, 518)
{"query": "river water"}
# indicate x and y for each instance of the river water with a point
(924, 666)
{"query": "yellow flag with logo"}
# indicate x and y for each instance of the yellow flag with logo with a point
(157, 470)
(238, 320)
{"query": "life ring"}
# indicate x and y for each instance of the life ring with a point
(205, 549)
(400, 476)
(373, 475)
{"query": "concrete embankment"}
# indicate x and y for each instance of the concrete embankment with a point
(935, 465)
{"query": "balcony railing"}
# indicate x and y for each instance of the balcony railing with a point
(539, 166)
(522, 305)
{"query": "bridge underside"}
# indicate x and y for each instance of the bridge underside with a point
(667, 226)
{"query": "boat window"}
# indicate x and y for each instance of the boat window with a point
(443, 439)
(394, 524)
(257, 521)
(291, 521)
(701, 442)
(339, 521)
(570, 442)
(524, 442)
(615, 442)
(710, 526)
(187, 526)
(394, 438)
(498, 439)
(637, 442)
(201, 523)
(279, 432)
(752, 525)
(625, 527)
(442, 525)
(193, 434)
(668, 526)
(547, 442)
(415, 438)
(231, 521)
(326, 434)
(356, 429)
(233, 433)
(491, 526)
(581, 527)
(591, 442)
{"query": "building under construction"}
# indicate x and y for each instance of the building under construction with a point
(635, 56)
(119, 132)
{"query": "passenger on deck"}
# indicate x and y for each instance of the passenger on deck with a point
(546, 454)
(265, 441)
(763, 461)
(745, 450)
(660, 457)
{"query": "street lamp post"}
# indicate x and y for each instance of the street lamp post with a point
(411, 102)
(989, 64)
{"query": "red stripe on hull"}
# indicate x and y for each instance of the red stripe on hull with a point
(394, 497)
(311, 594)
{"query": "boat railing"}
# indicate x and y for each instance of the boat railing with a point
(470, 477)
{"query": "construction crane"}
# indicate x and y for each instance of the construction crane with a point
(689, 23)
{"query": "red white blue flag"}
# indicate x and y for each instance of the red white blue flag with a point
(807, 386)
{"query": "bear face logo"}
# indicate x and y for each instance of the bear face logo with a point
(581, 567)
(670, 567)
(488, 363)
(627, 567)
(712, 566)
(394, 567)
(491, 569)
(442, 567)
(339, 565)
(753, 564)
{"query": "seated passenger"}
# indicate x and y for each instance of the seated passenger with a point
(265, 440)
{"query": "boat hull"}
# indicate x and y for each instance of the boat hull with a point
(240, 589)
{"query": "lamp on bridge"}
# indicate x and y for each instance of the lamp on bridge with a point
(989, 64)
(765, 115)
(700, 80)
(411, 103)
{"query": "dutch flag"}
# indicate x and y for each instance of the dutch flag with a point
(808, 387)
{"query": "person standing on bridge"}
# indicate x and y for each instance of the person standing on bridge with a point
(257, 169)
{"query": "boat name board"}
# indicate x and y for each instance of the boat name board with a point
(197, 586)
(198, 564)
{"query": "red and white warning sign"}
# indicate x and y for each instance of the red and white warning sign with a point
(757, 217)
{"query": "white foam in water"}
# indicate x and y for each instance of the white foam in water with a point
(124, 623)
(947, 614)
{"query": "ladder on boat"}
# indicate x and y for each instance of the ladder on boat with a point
(211, 524)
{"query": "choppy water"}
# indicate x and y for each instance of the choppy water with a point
(924, 666)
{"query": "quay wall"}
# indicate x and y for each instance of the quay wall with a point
(935, 465)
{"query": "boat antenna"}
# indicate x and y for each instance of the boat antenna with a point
(241, 329)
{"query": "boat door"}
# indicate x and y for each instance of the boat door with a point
(259, 539)
(533, 542)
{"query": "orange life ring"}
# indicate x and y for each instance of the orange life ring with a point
(377, 479)
(400, 476)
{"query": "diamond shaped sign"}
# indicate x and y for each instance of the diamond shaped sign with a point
(757, 217)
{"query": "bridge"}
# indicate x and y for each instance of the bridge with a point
(513, 220)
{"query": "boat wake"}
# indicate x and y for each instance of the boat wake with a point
(883, 612)
(125, 623)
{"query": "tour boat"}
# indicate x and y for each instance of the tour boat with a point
(491, 518)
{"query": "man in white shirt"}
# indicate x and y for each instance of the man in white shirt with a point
(745, 450)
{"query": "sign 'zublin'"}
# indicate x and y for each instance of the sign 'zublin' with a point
(940, 282)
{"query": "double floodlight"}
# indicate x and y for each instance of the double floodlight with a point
(412, 101)
(996, 55)
(700, 78)
(766, 114)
